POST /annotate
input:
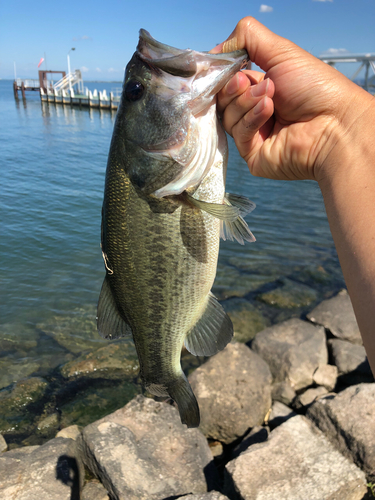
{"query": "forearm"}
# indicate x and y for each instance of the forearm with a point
(348, 186)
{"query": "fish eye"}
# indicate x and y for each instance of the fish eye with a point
(134, 90)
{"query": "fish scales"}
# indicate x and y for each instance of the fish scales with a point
(163, 212)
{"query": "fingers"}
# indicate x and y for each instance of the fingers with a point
(240, 102)
(254, 127)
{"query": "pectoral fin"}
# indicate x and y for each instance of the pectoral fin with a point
(222, 212)
(237, 229)
(110, 323)
(212, 332)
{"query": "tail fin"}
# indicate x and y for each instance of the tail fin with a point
(181, 392)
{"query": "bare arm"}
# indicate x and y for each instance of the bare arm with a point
(311, 122)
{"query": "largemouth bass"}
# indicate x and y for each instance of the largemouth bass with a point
(164, 209)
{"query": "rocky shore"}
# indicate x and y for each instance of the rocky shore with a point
(288, 415)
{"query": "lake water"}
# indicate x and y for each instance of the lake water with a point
(53, 162)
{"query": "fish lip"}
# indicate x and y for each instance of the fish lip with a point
(164, 57)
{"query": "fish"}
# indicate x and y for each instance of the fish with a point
(164, 210)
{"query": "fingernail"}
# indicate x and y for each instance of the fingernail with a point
(260, 88)
(230, 45)
(233, 85)
(260, 106)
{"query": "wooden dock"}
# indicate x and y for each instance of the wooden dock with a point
(50, 94)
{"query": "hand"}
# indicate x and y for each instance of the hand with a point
(304, 109)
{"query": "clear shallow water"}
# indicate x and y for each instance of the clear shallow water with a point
(53, 161)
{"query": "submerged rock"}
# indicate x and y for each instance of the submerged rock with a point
(114, 360)
(247, 320)
(296, 462)
(12, 370)
(290, 295)
(293, 350)
(348, 421)
(233, 390)
(96, 401)
(142, 451)
(76, 332)
(15, 403)
(51, 471)
(338, 317)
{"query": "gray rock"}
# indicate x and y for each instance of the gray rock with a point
(142, 451)
(349, 357)
(326, 375)
(297, 462)
(94, 490)
(283, 392)
(53, 470)
(338, 317)
(247, 320)
(212, 495)
(348, 421)
(289, 296)
(233, 390)
(3, 444)
(293, 350)
(216, 448)
(71, 432)
(48, 424)
(308, 397)
(116, 359)
(279, 414)
(258, 434)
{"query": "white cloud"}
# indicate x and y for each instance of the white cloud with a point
(98, 70)
(335, 52)
(112, 70)
(322, 0)
(265, 8)
(84, 69)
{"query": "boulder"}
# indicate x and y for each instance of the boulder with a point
(212, 495)
(293, 350)
(279, 414)
(53, 470)
(283, 392)
(326, 375)
(233, 390)
(338, 317)
(142, 451)
(3, 444)
(71, 432)
(247, 319)
(349, 357)
(348, 421)
(306, 398)
(94, 490)
(296, 462)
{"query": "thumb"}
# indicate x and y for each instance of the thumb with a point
(265, 48)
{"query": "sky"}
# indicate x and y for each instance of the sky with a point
(104, 33)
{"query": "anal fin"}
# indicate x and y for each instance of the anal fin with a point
(110, 324)
(212, 332)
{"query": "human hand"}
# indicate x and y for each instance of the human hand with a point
(304, 111)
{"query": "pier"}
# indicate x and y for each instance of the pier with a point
(366, 61)
(69, 90)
